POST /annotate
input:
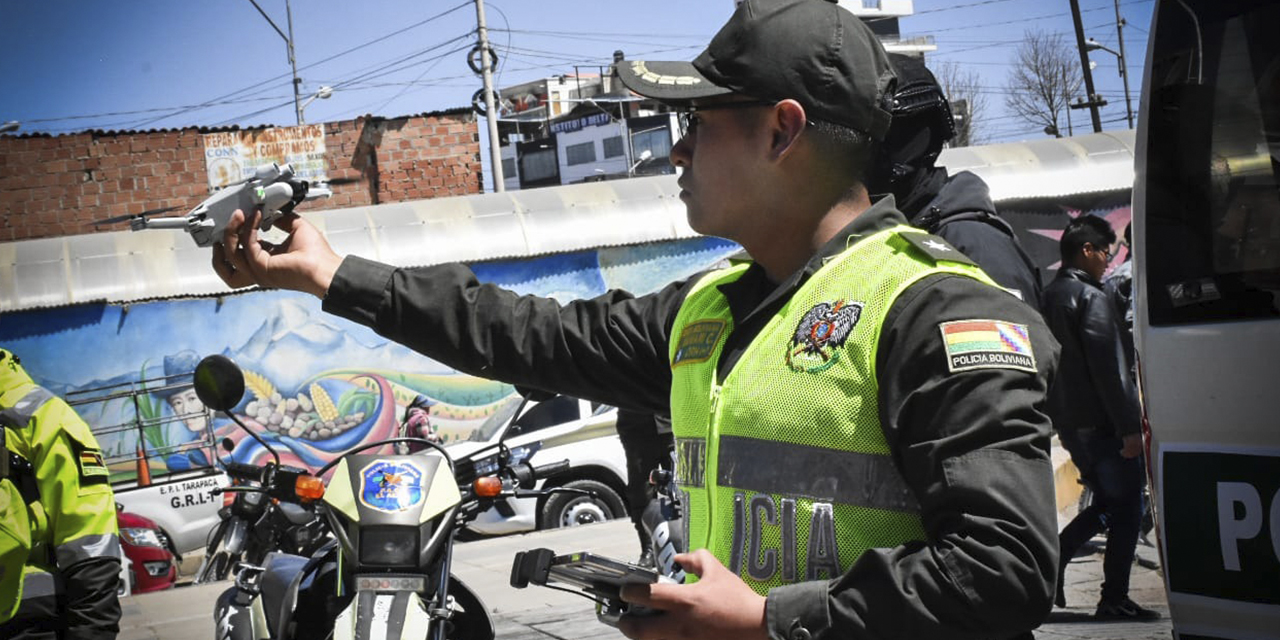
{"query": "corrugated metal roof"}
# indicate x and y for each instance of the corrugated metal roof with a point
(123, 266)
(1051, 167)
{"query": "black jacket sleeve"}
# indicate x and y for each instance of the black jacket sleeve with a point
(974, 447)
(609, 349)
(1099, 335)
(93, 609)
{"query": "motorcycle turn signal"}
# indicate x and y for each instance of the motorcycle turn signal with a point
(309, 488)
(487, 487)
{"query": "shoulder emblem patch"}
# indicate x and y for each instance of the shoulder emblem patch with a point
(92, 465)
(936, 248)
(697, 341)
(822, 331)
(987, 344)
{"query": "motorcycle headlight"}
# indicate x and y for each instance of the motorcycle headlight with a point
(389, 546)
(140, 537)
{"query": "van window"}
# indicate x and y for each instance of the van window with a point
(1213, 217)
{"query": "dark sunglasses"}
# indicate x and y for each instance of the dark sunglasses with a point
(687, 117)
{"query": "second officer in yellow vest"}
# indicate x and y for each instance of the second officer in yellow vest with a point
(72, 568)
(858, 412)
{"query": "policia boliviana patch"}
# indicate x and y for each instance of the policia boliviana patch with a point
(987, 344)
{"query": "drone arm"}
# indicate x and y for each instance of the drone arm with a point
(166, 223)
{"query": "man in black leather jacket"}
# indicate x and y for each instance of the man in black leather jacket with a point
(955, 208)
(1094, 408)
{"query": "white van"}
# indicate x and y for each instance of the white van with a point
(1207, 284)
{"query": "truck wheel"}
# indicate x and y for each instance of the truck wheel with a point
(573, 509)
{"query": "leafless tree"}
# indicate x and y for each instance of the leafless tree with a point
(964, 92)
(1045, 75)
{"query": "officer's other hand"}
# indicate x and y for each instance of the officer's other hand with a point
(1132, 446)
(718, 605)
(302, 262)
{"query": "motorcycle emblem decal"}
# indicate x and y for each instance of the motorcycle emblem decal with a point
(822, 331)
(391, 487)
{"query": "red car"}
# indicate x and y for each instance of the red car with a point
(153, 565)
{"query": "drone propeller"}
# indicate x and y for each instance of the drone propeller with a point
(131, 216)
(336, 181)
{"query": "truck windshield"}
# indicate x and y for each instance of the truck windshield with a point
(494, 423)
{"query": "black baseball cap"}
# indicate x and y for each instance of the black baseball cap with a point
(812, 51)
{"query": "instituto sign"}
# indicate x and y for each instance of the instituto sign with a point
(232, 156)
(593, 120)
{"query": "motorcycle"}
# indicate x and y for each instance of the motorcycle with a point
(385, 572)
(252, 525)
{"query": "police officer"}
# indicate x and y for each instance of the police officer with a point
(15, 531)
(857, 413)
(69, 581)
(957, 208)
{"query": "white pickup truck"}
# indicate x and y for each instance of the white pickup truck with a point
(178, 500)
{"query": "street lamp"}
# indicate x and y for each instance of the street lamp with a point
(323, 94)
(11, 125)
(644, 155)
(1094, 45)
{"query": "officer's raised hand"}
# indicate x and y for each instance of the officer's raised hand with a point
(718, 605)
(302, 262)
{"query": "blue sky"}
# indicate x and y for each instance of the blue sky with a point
(71, 65)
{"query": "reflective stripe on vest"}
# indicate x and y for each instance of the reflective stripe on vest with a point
(88, 547)
(39, 584)
(784, 467)
(21, 412)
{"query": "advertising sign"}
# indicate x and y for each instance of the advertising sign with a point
(232, 156)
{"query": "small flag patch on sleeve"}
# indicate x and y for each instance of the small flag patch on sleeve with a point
(92, 465)
(987, 344)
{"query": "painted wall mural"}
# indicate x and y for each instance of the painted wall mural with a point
(316, 384)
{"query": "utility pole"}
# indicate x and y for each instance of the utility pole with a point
(293, 62)
(491, 110)
(1092, 101)
(1124, 65)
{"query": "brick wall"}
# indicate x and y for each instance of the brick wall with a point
(53, 186)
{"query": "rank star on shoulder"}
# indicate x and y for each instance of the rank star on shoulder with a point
(936, 246)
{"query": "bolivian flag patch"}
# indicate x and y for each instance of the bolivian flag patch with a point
(987, 344)
(92, 465)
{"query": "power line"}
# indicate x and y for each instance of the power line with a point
(189, 109)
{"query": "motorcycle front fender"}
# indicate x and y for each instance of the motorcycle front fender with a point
(390, 615)
(239, 616)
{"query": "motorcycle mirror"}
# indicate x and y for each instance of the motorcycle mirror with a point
(228, 445)
(219, 382)
(220, 385)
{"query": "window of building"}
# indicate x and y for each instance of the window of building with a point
(655, 141)
(538, 165)
(582, 153)
(613, 147)
(509, 167)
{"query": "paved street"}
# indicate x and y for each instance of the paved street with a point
(544, 614)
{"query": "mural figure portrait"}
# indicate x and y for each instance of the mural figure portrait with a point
(192, 419)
